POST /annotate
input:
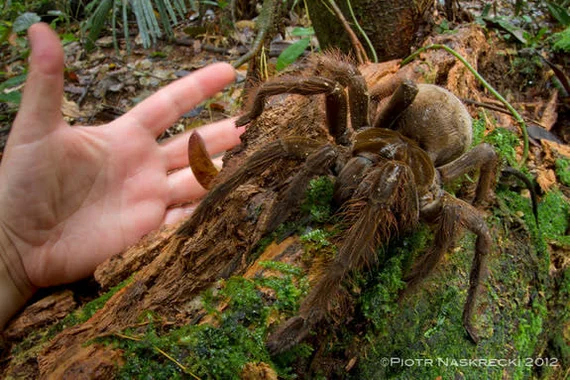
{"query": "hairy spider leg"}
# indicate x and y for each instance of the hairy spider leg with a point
(200, 162)
(318, 163)
(335, 101)
(482, 157)
(454, 215)
(338, 68)
(402, 98)
(384, 203)
(291, 148)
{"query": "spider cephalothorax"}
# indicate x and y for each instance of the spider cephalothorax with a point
(389, 176)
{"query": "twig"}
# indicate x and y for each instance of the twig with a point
(485, 84)
(361, 56)
(364, 35)
(497, 108)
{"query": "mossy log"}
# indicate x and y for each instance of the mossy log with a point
(161, 281)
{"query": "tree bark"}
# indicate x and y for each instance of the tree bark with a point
(391, 25)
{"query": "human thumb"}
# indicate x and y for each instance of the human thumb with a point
(40, 110)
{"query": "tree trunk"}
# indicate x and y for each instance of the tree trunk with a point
(391, 25)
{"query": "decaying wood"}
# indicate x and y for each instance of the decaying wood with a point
(171, 267)
(42, 313)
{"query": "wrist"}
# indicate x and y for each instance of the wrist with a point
(15, 287)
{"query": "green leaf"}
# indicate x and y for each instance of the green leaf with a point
(559, 13)
(13, 82)
(14, 97)
(67, 38)
(96, 22)
(486, 9)
(301, 32)
(24, 21)
(515, 31)
(289, 55)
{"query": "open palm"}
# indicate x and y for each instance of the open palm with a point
(70, 197)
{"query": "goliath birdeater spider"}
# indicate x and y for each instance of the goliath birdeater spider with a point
(389, 176)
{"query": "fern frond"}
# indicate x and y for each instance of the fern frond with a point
(96, 22)
(138, 10)
(164, 16)
(126, 25)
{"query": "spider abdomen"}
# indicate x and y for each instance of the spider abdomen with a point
(439, 122)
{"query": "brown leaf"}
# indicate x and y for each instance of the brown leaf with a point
(70, 109)
(549, 115)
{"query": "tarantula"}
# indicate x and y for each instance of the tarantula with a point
(389, 176)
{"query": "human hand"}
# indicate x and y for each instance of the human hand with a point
(70, 197)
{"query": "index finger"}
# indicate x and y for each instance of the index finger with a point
(157, 112)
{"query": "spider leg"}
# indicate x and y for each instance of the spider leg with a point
(317, 163)
(200, 162)
(481, 157)
(352, 175)
(292, 148)
(384, 202)
(335, 101)
(402, 98)
(348, 75)
(455, 214)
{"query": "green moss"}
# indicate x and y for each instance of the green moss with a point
(29, 348)
(318, 199)
(380, 298)
(554, 216)
(289, 289)
(563, 171)
(478, 130)
(218, 351)
(526, 66)
(560, 341)
(92, 307)
(504, 142)
(316, 242)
